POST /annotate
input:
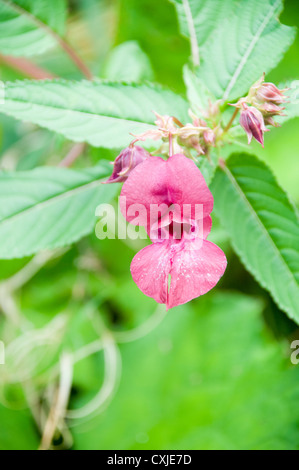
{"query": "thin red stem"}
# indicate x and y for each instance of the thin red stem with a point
(73, 155)
(26, 67)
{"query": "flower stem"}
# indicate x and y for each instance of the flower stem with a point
(26, 67)
(170, 144)
(74, 57)
(73, 154)
(231, 120)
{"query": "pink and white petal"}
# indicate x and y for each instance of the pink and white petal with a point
(196, 269)
(187, 185)
(150, 270)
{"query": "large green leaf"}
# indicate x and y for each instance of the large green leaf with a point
(292, 106)
(262, 225)
(101, 113)
(244, 40)
(49, 207)
(209, 377)
(25, 25)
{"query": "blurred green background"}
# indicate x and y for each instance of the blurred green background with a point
(213, 374)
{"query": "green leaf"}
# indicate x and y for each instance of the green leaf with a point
(262, 225)
(292, 106)
(209, 377)
(101, 113)
(26, 25)
(128, 62)
(49, 207)
(198, 94)
(18, 430)
(245, 39)
(198, 19)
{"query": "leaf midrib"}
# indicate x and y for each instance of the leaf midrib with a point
(18, 100)
(249, 50)
(192, 32)
(53, 199)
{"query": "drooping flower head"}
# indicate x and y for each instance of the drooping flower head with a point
(126, 161)
(252, 121)
(175, 268)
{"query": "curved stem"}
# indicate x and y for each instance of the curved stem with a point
(144, 329)
(73, 155)
(112, 373)
(60, 402)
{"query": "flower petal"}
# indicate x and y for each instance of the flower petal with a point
(187, 185)
(150, 269)
(176, 182)
(196, 269)
(146, 186)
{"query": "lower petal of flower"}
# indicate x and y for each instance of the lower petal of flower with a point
(150, 269)
(195, 270)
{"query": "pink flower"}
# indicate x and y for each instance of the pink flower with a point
(128, 159)
(193, 264)
(252, 121)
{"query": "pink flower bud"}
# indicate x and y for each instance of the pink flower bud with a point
(269, 121)
(269, 92)
(252, 121)
(271, 109)
(128, 159)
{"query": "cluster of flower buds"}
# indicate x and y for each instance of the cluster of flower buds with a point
(259, 108)
(197, 135)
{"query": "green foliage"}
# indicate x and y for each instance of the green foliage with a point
(210, 375)
(198, 94)
(49, 207)
(185, 388)
(100, 113)
(245, 39)
(263, 226)
(154, 26)
(292, 106)
(17, 430)
(25, 24)
(198, 19)
(128, 62)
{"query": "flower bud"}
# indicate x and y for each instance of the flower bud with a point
(252, 121)
(269, 92)
(128, 159)
(271, 109)
(269, 121)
